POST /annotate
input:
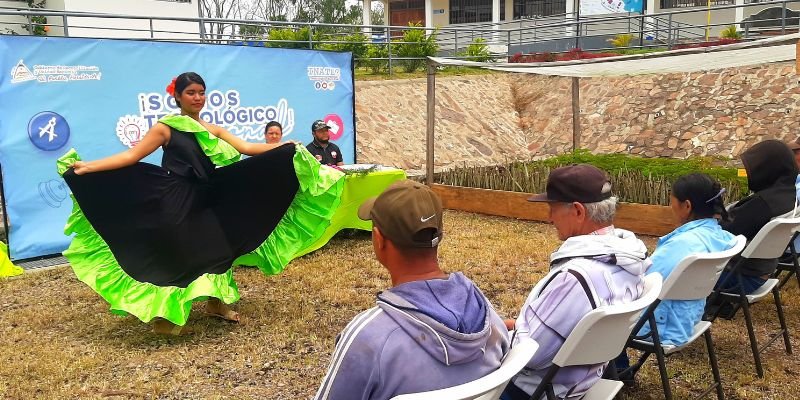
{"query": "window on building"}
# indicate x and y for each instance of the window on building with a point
(468, 11)
(538, 8)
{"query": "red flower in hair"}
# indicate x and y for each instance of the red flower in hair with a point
(171, 87)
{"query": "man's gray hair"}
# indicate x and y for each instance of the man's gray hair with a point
(602, 212)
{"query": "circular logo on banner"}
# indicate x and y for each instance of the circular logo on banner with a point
(131, 130)
(336, 124)
(48, 131)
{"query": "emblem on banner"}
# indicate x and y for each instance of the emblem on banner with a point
(48, 131)
(21, 73)
(336, 124)
(324, 78)
(131, 129)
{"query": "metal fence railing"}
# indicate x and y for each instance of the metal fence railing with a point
(387, 48)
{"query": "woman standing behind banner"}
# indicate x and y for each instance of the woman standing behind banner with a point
(151, 240)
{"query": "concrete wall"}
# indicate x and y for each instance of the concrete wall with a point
(114, 27)
(9, 23)
(440, 20)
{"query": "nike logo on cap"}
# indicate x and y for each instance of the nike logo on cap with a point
(426, 219)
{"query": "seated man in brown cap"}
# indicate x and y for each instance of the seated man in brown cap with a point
(431, 329)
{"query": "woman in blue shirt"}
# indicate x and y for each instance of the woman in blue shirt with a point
(696, 202)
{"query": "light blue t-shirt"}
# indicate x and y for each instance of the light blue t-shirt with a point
(675, 319)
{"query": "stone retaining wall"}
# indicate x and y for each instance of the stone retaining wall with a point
(489, 119)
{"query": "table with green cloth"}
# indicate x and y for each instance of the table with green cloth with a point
(357, 189)
(359, 186)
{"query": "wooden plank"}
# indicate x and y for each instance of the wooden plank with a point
(640, 218)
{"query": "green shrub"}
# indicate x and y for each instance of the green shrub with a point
(730, 33)
(477, 51)
(634, 179)
(291, 38)
(375, 51)
(416, 44)
(356, 43)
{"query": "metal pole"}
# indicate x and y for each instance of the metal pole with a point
(669, 33)
(430, 127)
(5, 213)
(311, 37)
(389, 48)
(576, 113)
(200, 20)
(783, 18)
(641, 31)
(64, 23)
(508, 45)
(578, 24)
(151, 28)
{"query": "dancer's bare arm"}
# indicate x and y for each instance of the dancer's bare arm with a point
(242, 146)
(156, 137)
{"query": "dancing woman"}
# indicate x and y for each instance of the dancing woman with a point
(151, 240)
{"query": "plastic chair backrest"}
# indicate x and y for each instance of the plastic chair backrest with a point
(603, 332)
(772, 239)
(489, 387)
(695, 276)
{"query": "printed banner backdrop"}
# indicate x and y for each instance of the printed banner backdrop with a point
(101, 96)
(595, 7)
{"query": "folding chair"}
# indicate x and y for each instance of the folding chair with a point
(769, 243)
(599, 337)
(692, 279)
(791, 266)
(489, 387)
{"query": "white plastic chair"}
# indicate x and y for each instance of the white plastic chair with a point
(692, 279)
(489, 387)
(769, 243)
(599, 337)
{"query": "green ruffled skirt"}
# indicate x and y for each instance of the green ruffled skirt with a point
(305, 220)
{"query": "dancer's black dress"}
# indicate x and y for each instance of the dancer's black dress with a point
(154, 239)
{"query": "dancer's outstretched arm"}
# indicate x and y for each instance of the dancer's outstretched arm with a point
(156, 137)
(242, 146)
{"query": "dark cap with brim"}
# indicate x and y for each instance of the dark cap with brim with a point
(582, 183)
(408, 213)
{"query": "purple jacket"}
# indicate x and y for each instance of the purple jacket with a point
(613, 266)
(421, 336)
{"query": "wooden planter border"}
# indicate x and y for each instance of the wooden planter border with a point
(639, 218)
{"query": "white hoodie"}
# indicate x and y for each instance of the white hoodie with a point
(613, 265)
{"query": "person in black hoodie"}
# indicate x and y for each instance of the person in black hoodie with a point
(771, 174)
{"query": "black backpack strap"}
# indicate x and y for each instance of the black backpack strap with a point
(582, 280)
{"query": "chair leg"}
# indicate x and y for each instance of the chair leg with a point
(782, 319)
(748, 319)
(662, 370)
(712, 359)
(662, 364)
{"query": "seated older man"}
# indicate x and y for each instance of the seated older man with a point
(597, 265)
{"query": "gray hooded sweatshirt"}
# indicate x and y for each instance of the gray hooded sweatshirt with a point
(613, 266)
(421, 336)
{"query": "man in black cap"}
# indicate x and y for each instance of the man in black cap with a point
(321, 147)
(596, 265)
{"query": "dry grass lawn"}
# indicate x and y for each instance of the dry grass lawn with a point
(58, 341)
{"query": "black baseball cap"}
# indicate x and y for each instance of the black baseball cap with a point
(319, 124)
(582, 183)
